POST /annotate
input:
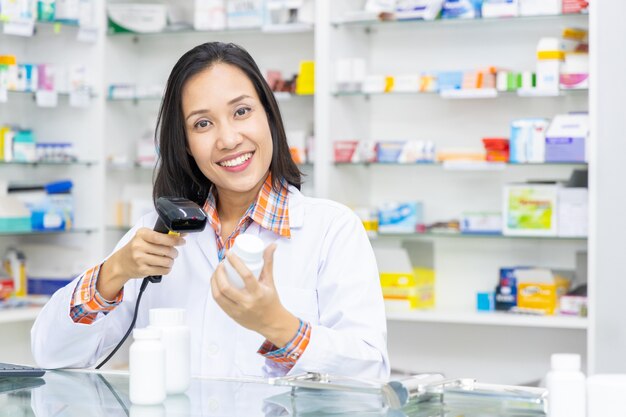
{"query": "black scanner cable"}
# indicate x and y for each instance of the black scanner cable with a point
(169, 221)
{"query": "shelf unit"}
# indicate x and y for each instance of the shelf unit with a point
(464, 264)
(111, 126)
(489, 319)
(16, 315)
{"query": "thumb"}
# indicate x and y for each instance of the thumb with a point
(267, 274)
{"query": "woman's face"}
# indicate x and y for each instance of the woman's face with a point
(228, 133)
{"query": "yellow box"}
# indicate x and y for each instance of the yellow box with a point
(305, 82)
(409, 291)
(542, 296)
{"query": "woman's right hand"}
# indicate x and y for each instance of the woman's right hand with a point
(148, 253)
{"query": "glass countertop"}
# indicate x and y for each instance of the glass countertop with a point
(82, 393)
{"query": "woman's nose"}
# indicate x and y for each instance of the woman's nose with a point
(229, 137)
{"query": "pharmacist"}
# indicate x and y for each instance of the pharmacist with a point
(317, 305)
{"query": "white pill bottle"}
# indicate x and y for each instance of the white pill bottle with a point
(249, 249)
(566, 386)
(146, 366)
(175, 337)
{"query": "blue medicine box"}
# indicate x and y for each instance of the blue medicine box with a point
(400, 217)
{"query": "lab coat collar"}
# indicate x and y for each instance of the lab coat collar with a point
(296, 208)
(208, 246)
(206, 239)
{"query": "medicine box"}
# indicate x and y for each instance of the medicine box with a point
(540, 289)
(566, 138)
(400, 217)
(408, 291)
(530, 210)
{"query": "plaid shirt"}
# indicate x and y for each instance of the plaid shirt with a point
(270, 211)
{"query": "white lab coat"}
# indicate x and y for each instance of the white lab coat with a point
(325, 274)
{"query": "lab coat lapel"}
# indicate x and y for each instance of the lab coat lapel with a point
(206, 242)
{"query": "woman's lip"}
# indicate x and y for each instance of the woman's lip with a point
(239, 168)
(235, 156)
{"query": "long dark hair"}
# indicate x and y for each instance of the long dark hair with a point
(177, 173)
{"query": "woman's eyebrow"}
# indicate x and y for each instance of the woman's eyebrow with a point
(236, 99)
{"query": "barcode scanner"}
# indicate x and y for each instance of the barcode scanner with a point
(176, 215)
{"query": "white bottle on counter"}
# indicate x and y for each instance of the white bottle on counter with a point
(146, 366)
(249, 249)
(566, 386)
(176, 341)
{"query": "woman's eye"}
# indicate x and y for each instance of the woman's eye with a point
(202, 124)
(242, 111)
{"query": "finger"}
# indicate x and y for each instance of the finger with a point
(226, 288)
(267, 274)
(158, 261)
(162, 238)
(155, 270)
(220, 298)
(249, 280)
(160, 250)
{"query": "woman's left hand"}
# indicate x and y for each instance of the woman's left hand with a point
(257, 306)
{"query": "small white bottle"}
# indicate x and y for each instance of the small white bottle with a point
(549, 59)
(566, 386)
(175, 338)
(146, 365)
(249, 249)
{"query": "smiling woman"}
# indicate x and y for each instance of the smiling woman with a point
(316, 305)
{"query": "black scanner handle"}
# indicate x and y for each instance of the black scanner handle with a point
(160, 227)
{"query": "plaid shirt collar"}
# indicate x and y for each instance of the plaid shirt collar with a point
(270, 211)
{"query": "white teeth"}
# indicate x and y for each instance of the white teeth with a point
(237, 161)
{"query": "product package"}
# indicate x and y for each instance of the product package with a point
(573, 212)
(209, 15)
(244, 14)
(540, 289)
(530, 210)
(481, 223)
(461, 9)
(408, 291)
(500, 8)
(528, 141)
(566, 138)
(418, 9)
(400, 217)
(539, 7)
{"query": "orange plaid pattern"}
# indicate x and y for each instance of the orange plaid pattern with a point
(290, 353)
(270, 211)
(87, 301)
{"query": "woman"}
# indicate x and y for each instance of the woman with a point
(317, 305)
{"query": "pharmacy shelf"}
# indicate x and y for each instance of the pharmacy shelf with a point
(447, 23)
(14, 315)
(273, 29)
(464, 166)
(456, 235)
(50, 232)
(489, 319)
(38, 26)
(477, 94)
(49, 163)
(280, 96)
(61, 95)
